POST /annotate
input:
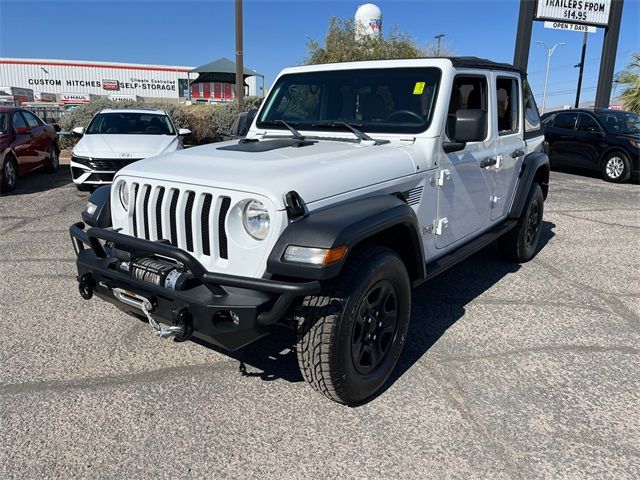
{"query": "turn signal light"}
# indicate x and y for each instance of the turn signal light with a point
(314, 256)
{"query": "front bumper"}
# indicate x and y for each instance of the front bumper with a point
(256, 303)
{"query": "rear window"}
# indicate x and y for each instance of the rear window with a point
(4, 124)
(565, 120)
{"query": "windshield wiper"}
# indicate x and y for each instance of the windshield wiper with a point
(296, 134)
(352, 127)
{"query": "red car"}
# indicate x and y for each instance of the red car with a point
(26, 143)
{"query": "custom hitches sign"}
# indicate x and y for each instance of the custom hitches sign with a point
(575, 11)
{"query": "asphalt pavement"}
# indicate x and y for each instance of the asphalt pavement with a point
(528, 371)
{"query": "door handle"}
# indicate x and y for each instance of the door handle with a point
(517, 153)
(488, 162)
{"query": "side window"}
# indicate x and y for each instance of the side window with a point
(531, 115)
(469, 92)
(508, 100)
(18, 121)
(31, 119)
(586, 123)
(565, 120)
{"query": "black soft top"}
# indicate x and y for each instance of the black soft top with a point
(476, 62)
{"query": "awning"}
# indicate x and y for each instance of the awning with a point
(222, 70)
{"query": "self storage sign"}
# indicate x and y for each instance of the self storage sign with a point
(575, 11)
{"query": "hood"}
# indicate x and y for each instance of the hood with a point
(321, 170)
(128, 146)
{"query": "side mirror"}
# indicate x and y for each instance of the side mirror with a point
(23, 131)
(78, 131)
(470, 125)
(56, 127)
(183, 132)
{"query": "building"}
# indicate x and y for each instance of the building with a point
(84, 79)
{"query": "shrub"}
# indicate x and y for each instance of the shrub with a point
(205, 121)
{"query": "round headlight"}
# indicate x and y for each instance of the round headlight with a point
(255, 219)
(123, 193)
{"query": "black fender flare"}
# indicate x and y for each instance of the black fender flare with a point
(535, 167)
(383, 218)
(101, 217)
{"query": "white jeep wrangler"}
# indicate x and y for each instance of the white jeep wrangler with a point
(355, 183)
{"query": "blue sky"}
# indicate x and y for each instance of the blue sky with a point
(194, 33)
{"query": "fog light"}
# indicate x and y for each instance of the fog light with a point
(314, 256)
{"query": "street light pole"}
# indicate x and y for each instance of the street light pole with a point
(546, 74)
(239, 62)
(439, 38)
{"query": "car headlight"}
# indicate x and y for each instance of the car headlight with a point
(255, 218)
(123, 193)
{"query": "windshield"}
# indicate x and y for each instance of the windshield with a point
(621, 122)
(391, 100)
(131, 123)
(3, 122)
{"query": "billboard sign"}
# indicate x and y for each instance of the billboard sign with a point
(594, 13)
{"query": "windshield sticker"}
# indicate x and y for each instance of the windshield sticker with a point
(419, 88)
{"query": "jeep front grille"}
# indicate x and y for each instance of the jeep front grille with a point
(182, 216)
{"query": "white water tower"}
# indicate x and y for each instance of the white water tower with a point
(368, 20)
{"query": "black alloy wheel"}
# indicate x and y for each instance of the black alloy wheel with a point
(374, 327)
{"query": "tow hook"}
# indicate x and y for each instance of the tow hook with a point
(182, 330)
(85, 285)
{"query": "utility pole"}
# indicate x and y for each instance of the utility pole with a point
(239, 61)
(608, 58)
(439, 37)
(546, 75)
(581, 65)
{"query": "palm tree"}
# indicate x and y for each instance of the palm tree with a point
(630, 81)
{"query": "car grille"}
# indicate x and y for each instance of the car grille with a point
(110, 164)
(189, 220)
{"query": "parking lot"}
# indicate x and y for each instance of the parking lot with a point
(509, 372)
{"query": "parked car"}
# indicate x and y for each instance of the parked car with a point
(118, 137)
(26, 144)
(597, 139)
(355, 182)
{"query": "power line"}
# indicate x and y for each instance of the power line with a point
(566, 66)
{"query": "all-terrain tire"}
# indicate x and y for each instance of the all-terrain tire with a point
(521, 242)
(333, 329)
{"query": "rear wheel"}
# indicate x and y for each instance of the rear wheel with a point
(351, 336)
(616, 168)
(9, 175)
(521, 242)
(54, 160)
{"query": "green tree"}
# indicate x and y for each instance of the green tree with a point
(630, 80)
(341, 45)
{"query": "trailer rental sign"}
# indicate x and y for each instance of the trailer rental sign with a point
(575, 11)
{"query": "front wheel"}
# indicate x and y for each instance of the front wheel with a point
(616, 168)
(54, 160)
(521, 242)
(351, 336)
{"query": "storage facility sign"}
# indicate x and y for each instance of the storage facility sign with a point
(594, 13)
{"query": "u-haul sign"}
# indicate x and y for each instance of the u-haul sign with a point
(575, 11)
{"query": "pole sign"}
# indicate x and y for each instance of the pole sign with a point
(571, 27)
(595, 13)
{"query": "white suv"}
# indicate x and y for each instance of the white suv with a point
(116, 138)
(356, 182)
